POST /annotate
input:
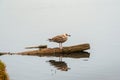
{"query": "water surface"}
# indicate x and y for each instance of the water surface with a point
(26, 23)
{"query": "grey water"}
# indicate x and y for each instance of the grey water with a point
(25, 23)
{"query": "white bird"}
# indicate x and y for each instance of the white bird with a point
(60, 39)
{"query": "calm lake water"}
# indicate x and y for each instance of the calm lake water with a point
(26, 23)
(102, 62)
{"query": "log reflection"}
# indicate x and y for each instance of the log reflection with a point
(62, 65)
(69, 55)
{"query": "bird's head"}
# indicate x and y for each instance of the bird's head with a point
(67, 34)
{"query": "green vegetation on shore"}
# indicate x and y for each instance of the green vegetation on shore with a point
(3, 74)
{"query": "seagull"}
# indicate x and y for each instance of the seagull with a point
(59, 39)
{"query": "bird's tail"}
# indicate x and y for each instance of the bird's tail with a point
(50, 40)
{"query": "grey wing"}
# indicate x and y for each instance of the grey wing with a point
(59, 39)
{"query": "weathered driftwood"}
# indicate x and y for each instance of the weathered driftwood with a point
(5, 53)
(39, 47)
(47, 51)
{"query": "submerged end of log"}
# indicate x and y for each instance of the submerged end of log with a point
(69, 49)
(40, 47)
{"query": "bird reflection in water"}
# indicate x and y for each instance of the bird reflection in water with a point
(60, 65)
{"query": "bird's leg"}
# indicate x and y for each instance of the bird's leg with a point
(60, 45)
(60, 58)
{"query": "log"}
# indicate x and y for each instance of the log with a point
(39, 47)
(1, 53)
(47, 51)
(5, 53)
